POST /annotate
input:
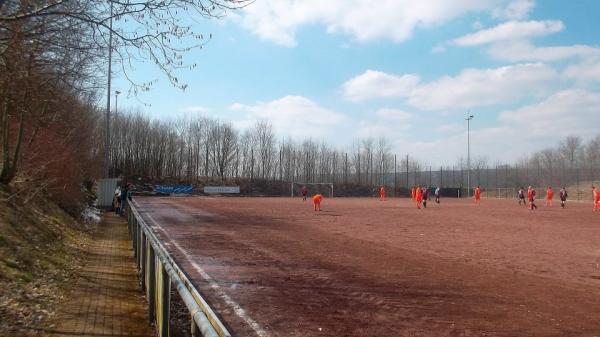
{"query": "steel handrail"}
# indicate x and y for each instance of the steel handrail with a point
(146, 245)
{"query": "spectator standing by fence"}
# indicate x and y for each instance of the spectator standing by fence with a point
(117, 200)
(124, 193)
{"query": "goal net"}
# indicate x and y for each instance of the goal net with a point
(313, 188)
(502, 192)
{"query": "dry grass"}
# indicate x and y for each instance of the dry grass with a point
(40, 249)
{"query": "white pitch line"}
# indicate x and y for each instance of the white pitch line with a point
(239, 311)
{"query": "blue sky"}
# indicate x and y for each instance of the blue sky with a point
(408, 70)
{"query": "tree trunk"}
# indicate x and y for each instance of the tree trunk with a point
(9, 168)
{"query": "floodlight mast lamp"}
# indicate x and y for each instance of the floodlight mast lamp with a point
(117, 93)
(468, 119)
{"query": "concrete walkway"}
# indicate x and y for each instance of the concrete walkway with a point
(106, 299)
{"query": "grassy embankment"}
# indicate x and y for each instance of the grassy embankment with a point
(41, 248)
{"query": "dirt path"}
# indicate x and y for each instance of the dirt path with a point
(106, 299)
(368, 268)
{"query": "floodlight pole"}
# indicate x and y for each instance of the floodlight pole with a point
(107, 143)
(468, 119)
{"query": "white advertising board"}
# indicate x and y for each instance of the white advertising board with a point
(221, 189)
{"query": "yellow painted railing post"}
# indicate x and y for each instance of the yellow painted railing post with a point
(151, 284)
(163, 300)
(144, 252)
(194, 328)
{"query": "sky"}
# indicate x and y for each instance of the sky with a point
(408, 70)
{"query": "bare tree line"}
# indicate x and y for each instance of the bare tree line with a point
(190, 149)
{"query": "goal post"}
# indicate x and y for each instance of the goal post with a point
(295, 188)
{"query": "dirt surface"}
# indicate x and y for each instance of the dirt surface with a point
(361, 267)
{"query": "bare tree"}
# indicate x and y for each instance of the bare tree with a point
(222, 144)
(570, 148)
(264, 138)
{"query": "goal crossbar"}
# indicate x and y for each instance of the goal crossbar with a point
(292, 184)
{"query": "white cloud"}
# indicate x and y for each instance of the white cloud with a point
(393, 114)
(516, 10)
(526, 129)
(278, 20)
(195, 109)
(522, 50)
(378, 84)
(380, 128)
(450, 128)
(296, 116)
(385, 122)
(237, 107)
(566, 112)
(586, 71)
(485, 87)
(511, 30)
(470, 88)
(369, 129)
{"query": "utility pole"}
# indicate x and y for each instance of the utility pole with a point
(107, 143)
(395, 176)
(117, 92)
(407, 187)
(468, 119)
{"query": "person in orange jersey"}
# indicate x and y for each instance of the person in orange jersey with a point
(413, 194)
(549, 196)
(531, 198)
(596, 194)
(419, 197)
(477, 195)
(317, 201)
(382, 193)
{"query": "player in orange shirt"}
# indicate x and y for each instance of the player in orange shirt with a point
(549, 196)
(477, 195)
(317, 201)
(413, 194)
(596, 199)
(419, 197)
(382, 193)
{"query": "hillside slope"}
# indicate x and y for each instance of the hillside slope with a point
(40, 250)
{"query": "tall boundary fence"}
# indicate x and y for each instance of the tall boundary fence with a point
(157, 273)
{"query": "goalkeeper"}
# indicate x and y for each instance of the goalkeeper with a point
(317, 201)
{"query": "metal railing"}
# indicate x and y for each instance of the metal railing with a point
(157, 272)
